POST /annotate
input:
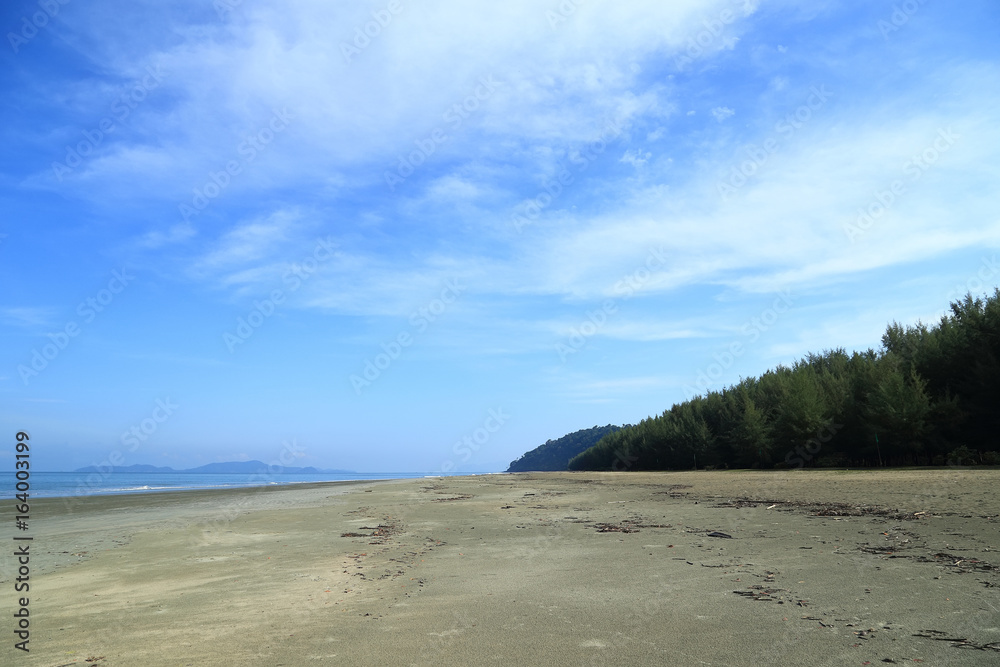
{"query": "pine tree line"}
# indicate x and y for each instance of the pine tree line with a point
(928, 396)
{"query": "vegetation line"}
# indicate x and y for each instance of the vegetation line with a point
(928, 396)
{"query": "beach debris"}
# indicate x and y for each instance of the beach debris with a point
(834, 510)
(957, 642)
(882, 550)
(761, 593)
(379, 534)
(623, 527)
(718, 534)
(740, 503)
(673, 490)
(626, 526)
(847, 509)
(813, 618)
(963, 564)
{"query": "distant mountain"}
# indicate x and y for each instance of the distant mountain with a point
(248, 468)
(229, 467)
(139, 467)
(555, 454)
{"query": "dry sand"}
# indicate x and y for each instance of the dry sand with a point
(822, 568)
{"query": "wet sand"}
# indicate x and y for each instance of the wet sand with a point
(819, 568)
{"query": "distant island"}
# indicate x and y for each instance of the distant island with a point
(230, 467)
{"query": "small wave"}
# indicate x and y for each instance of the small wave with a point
(144, 487)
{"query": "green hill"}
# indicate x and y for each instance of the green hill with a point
(555, 454)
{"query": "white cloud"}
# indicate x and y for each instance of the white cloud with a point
(722, 113)
(395, 92)
(354, 120)
(635, 157)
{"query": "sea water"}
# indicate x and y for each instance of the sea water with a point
(63, 484)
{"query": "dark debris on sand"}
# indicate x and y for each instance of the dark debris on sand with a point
(957, 642)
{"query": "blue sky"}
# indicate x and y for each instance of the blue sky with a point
(425, 237)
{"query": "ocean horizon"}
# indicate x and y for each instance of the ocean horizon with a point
(68, 484)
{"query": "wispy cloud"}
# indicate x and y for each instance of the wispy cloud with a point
(248, 252)
(28, 316)
(722, 113)
(175, 234)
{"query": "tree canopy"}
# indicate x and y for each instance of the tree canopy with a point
(928, 396)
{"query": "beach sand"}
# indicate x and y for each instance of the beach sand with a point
(822, 568)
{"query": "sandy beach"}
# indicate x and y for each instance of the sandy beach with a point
(695, 568)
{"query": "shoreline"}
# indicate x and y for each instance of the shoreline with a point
(136, 491)
(552, 568)
(306, 484)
